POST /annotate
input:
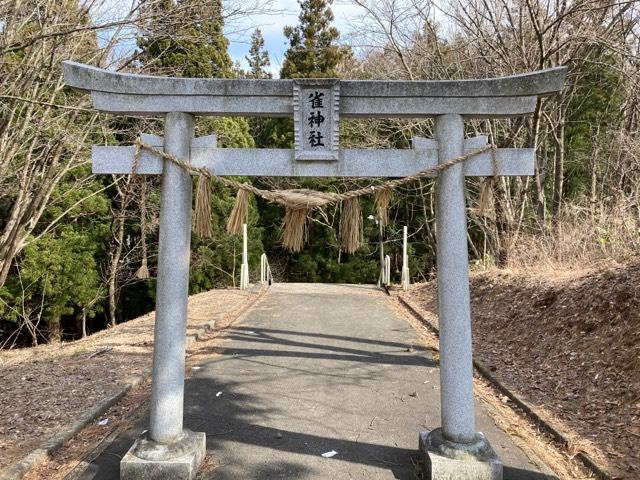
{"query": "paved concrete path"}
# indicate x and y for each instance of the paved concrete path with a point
(310, 369)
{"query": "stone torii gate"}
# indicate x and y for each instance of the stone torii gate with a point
(456, 450)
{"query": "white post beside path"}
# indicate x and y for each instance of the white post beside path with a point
(455, 450)
(387, 270)
(183, 450)
(381, 233)
(244, 269)
(405, 260)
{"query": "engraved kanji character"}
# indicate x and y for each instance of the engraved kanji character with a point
(315, 118)
(315, 139)
(316, 99)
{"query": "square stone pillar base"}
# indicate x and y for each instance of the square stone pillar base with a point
(150, 460)
(445, 460)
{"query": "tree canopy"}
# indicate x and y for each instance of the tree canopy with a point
(79, 252)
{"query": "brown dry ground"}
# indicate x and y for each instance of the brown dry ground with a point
(522, 430)
(568, 343)
(46, 388)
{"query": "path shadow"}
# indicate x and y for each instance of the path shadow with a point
(399, 354)
(271, 332)
(512, 473)
(227, 421)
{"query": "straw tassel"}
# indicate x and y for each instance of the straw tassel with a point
(239, 214)
(143, 272)
(203, 225)
(351, 225)
(486, 190)
(486, 196)
(295, 228)
(383, 199)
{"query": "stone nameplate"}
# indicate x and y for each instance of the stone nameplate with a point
(316, 106)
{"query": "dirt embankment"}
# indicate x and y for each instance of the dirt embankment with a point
(47, 388)
(568, 343)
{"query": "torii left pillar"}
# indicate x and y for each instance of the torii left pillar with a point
(167, 450)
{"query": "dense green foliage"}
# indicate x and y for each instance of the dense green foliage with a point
(186, 49)
(59, 275)
(594, 109)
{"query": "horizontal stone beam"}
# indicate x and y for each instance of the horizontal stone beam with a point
(281, 163)
(148, 95)
(353, 107)
(88, 78)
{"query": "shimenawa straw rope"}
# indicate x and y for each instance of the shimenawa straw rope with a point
(299, 202)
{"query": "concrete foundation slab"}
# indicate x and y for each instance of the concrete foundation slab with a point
(444, 460)
(149, 460)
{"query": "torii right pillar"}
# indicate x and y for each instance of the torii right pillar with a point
(456, 450)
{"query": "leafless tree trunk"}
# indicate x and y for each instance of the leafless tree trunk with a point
(124, 198)
(558, 181)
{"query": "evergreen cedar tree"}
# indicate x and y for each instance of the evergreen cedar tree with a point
(313, 50)
(195, 48)
(258, 58)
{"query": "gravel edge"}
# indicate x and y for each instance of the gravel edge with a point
(524, 408)
(37, 456)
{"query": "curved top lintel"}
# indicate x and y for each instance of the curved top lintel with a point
(93, 79)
